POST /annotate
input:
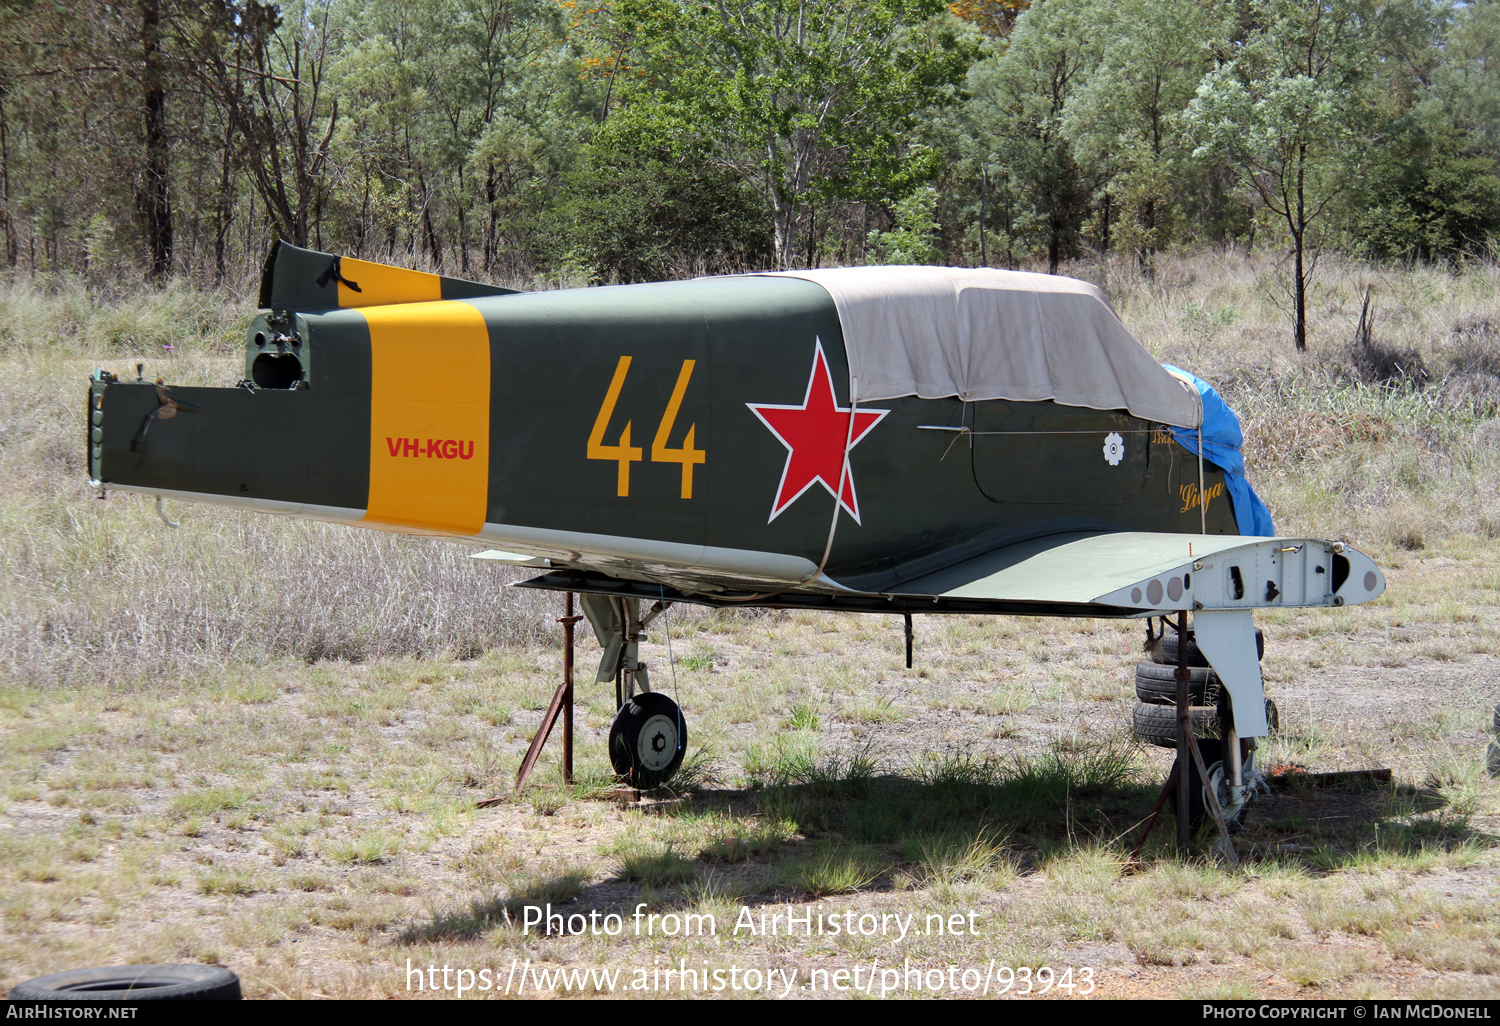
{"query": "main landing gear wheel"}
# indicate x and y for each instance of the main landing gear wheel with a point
(648, 739)
(1199, 812)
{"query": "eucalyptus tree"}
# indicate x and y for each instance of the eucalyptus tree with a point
(457, 113)
(1441, 197)
(1125, 119)
(520, 110)
(87, 131)
(266, 67)
(805, 100)
(1019, 97)
(1301, 111)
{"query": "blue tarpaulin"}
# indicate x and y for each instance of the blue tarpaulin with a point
(1222, 439)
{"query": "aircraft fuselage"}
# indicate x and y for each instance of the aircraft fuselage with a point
(691, 428)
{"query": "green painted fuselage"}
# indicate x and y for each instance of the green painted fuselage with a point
(926, 498)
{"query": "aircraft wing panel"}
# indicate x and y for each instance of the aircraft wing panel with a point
(1152, 572)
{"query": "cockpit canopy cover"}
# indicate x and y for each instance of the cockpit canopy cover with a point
(979, 333)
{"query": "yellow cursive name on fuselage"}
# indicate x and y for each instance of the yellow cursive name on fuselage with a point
(1190, 496)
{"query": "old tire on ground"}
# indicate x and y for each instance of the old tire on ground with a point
(1157, 685)
(1157, 724)
(1492, 759)
(1166, 652)
(133, 983)
(647, 740)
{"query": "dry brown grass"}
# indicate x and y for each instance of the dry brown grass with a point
(102, 591)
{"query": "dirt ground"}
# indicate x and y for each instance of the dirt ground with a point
(315, 827)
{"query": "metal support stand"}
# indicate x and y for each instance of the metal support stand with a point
(568, 620)
(562, 702)
(1187, 746)
(908, 640)
(1184, 732)
(1213, 805)
(1161, 800)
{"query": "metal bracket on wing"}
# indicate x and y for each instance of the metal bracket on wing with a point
(1223, 588)
(1259, 573)
(511, 558)
(1227, 638)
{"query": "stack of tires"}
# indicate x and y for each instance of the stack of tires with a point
(1155, 719)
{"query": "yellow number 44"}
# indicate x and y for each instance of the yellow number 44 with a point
(624, 451)
(685, 453)
(625, 454)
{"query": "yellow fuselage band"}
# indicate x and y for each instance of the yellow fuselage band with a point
(429, 417)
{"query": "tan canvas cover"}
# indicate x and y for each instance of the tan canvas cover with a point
(979, 333)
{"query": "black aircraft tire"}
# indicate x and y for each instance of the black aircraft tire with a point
(1157, 724)
(647, 740)
(1166, 653)
(1157, 685)
(1492, 759)
(133, 983)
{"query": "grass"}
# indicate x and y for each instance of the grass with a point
(803, 718)
(369, 849)
(207, 802)
(835, 873)
(658, 868)
(949, 864)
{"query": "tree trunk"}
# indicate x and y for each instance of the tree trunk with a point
(784, 226)
(362, 230)
(489, 228)
(1299, 236)
(463, 242)
(226, 209)
(1106, 209)
(153, 199)
(429, 232)
(7, 226)
(433, 245)
(1146, 252)
(812, 236)
(984, 183)
(1299, 286)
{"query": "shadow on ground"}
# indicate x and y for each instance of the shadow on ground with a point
(807, 829)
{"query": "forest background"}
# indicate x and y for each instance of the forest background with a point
(529, 141)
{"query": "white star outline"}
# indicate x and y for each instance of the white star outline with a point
(847, 471)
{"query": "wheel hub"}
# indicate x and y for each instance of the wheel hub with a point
(657, 744)
(1232, 800)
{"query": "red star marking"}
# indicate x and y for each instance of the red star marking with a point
(814, 435)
